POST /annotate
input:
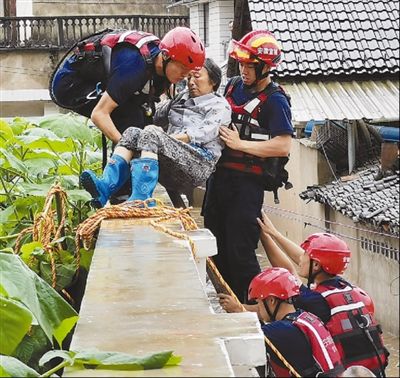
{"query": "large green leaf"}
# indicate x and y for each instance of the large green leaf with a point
(11, 367)
(15, 322)
(39, 190)
(6, 213)
(6, 133)
(39, 166)
(52, 312)
(113, 360)
(28, 248)
(37, 138)
(41, 154)
(14, 162)
(86, 258)
(19, 125)
(34, 345)
(68, 126)
(64, 273)
(78, 195)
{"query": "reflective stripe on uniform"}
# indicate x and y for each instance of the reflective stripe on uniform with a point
(336, 291)
(348, 307)
(124, 35)
(145, 40)
(320, 342)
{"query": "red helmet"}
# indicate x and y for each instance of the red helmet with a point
(331, 252)
(278, 282)
(256, 46)
(183, 45)
(366, 299)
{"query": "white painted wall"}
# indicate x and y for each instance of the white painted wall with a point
(221, 12)
(24, 8)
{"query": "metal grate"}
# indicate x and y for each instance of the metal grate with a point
(332, 137)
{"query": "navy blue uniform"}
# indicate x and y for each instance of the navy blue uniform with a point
(312, 301)
(233, 201)
(124, 83)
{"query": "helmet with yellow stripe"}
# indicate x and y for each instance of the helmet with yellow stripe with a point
(257, 46)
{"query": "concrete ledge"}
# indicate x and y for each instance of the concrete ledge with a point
(26, 103)
(144, 295)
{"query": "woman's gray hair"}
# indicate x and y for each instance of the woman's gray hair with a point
(214, 73)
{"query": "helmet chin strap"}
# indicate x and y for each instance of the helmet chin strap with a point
(272, 316)
(259, 74)
(165, 60)
(311, 275)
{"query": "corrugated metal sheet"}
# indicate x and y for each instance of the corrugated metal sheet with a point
(376, 100)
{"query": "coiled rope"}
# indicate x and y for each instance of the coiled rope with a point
(161, 213)
(46, 232)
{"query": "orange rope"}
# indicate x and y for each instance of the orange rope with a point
(162, 213)
(44, 228)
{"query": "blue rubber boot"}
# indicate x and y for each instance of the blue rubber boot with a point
(115, 174)
(144, 178)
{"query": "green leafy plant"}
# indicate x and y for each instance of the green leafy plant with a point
(93, 359)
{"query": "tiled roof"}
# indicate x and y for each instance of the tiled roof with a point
(332, 37)
(363, 199)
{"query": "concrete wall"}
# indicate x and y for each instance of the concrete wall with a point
(372, 271)
(95, 7)
(26, 69)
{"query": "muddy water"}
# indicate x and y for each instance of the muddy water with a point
(391, 342)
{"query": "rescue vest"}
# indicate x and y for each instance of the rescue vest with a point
(93, 62)
(350, 324)
(245, 119)
(99, 46)
(327, 358)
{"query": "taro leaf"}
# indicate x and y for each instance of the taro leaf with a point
(32, 347)
(52, 312)
(42, 139)
(39, 190)
(14, 162)
(6, 133)
(15, 322)
(41, 154)
(65, 169)
(39, 166)
(6, 213)
(11, 367)
(19, 125)
(93, 157)
(68, 126)
(94, 359)
(64, 354)
(86, 258)
(24, 205)
(28, 249)
(64, 274)
(78, 195)
(69, 181)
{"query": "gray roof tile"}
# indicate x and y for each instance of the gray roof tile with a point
(371, 202)
(365, 32)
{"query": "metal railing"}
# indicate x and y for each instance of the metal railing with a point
(45, 33)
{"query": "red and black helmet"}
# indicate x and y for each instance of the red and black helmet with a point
(330, 251)
(257, 46)
(183, 45)
(276, 282)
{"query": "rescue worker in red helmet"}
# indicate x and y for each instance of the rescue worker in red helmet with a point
(261, 132)
(346, 310)
(115, 77)
(299, 336)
